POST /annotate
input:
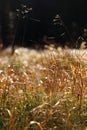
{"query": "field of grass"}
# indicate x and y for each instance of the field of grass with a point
(43, 90)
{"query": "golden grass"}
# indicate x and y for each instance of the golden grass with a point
(44, 90)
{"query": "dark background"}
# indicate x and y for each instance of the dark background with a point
(71, 11)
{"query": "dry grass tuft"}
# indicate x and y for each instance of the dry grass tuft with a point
(43, 90)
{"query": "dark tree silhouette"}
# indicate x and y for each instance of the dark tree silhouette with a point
(6, 22)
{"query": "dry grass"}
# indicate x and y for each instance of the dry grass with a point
(44, 90)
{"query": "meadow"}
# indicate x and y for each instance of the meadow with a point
(43, 89)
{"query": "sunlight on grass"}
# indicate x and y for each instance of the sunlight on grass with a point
(44, 90)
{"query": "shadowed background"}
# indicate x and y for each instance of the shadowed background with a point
(71, 11)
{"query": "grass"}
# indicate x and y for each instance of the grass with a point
(43, 90)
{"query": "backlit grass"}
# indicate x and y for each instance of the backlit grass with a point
(44, 90)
